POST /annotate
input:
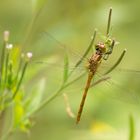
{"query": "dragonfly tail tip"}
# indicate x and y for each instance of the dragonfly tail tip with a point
(77, 121)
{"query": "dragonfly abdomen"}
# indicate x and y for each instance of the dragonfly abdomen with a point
(90, 76)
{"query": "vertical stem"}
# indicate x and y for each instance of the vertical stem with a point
(6, 68)
(20, 80)
(2, 61)
(19, 68)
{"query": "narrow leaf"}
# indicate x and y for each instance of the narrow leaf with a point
(117, 62)
(87, 50)
(109, 21)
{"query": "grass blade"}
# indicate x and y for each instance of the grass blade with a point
(109, 21)
(117, 63)
(87, 50)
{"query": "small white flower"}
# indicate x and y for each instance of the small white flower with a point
(9, 46)
(29, 55)
(6, 35)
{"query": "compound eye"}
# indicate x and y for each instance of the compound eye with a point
(97, 47)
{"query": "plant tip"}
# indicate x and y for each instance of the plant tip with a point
(125, 49)
(95, 30)
(110, 8)
(6, 35)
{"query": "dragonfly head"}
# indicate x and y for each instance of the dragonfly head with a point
(100, 48)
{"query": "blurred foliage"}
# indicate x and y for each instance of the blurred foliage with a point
(72, 23)
(13, 99)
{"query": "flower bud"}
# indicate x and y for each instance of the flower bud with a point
(6, 35)
(29, 55)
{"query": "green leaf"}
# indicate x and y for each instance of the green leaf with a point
(66, 68)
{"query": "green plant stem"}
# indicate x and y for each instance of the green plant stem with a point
(58, 92)
(117, 62)
(62, 88)
(2, 61)
(20, 80)
(6, 67)
(19, 68)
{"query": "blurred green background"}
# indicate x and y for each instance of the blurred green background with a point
(72, 23)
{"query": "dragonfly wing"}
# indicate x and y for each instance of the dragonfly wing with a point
(120, 86)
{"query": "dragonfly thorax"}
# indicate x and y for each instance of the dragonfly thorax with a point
(93, 62)
(95, 59)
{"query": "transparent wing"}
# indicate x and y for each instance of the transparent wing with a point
(52, 59)
(120, 85)
(47, 44)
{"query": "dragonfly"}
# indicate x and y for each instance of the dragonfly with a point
(102, 52)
